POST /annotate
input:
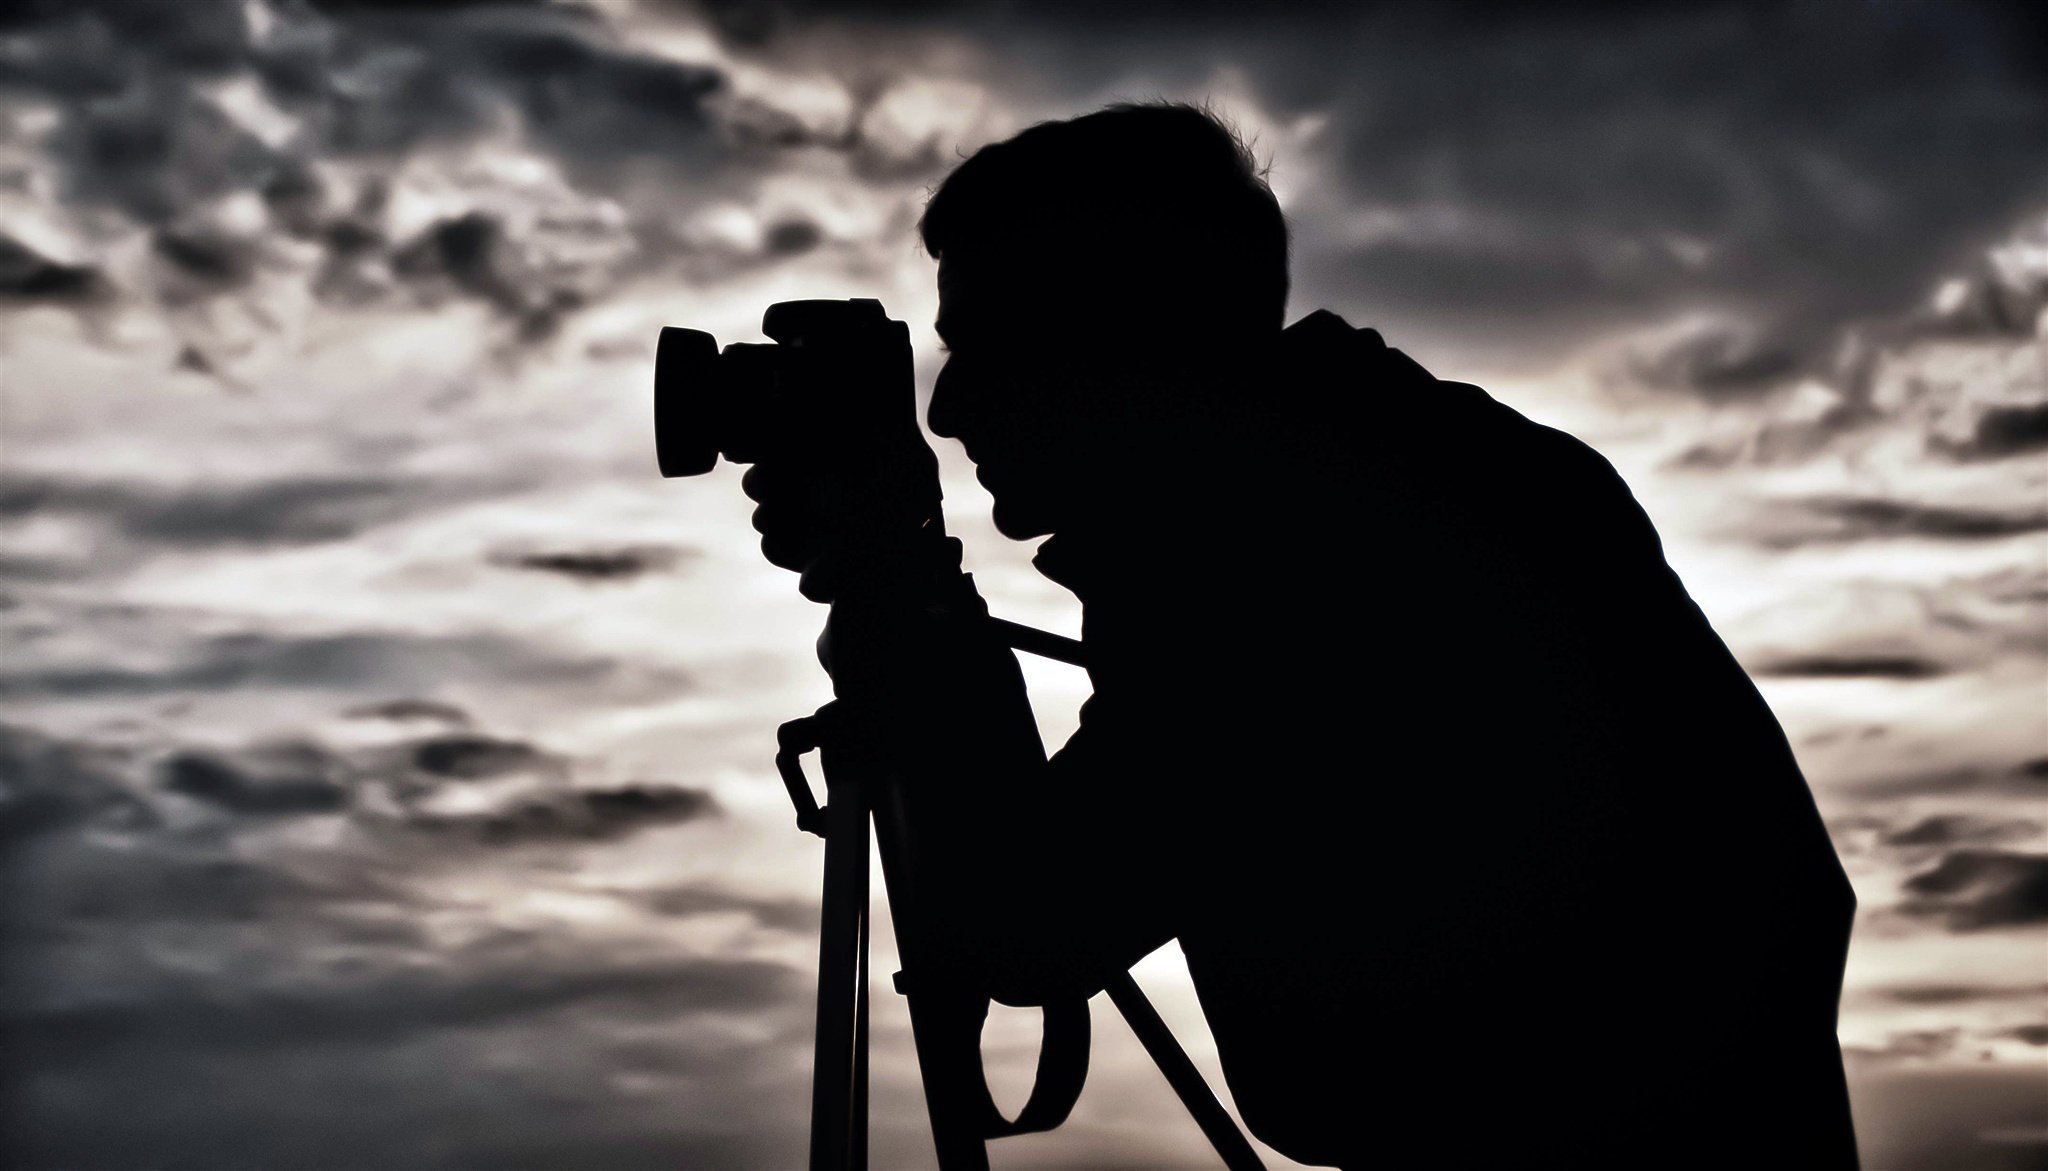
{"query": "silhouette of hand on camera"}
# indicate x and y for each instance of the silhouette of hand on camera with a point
(832, 514)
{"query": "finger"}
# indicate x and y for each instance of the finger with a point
(819, 584)
(789, 545)
(784, 553)
(762, 484)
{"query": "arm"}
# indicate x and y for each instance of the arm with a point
(1029, 877)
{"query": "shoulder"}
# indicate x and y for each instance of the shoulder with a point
(1480, 437)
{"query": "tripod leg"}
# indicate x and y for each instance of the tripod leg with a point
(860, 1036)
(839, 1060)
(1182, 1075)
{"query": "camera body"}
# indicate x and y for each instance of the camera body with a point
(838, 377)
(827, 413)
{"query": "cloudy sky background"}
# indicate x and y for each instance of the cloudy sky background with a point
(384, 776)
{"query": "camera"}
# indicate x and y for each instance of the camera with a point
(828, 414)
(838, 379)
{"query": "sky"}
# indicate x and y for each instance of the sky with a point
(385, 761)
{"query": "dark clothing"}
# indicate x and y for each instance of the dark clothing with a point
(1483, 850)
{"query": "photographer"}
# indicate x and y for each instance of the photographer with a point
(1401, 725)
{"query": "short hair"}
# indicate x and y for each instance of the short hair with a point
(1167, 190)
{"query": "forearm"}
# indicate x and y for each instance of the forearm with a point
(1011, 861)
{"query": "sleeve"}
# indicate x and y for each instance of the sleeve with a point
(1033, 879)
(1058, 884)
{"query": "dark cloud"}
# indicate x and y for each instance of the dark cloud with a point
(2001, 295)
(598, 565)
(365, 80)
(467, 991)
(473, 254)
(1720, 363)
(682, 902)
(2031, 1034)
(1850, 667)
(368, 660)
(1910, 1043)
(2001, 432)
(285, 511)
(201, 264)
(26, 275)
(314, 113)
(49, 783)
(2024, 778)
(410, 709)
(593, 814)
(792, 237)
(268, 780)
(1977, 889)
(474, 757)
(158, 886)
(1892, 376)
(1952, 829)
(1844, 519)
(154, 149)
(1548, 176)
(1959, 993)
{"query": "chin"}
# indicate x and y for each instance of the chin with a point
(1018, 524)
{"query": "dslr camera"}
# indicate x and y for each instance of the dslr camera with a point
(827, 413)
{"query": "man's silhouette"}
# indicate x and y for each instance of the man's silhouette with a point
(1482, 849)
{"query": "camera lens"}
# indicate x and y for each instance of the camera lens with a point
(686, 402)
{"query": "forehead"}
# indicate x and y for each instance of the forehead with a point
(964, 300)
(990, 298)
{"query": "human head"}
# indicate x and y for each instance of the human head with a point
(1098, 280)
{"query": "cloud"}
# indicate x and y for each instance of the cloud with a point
(535, 158)
(268, 780)
(49, 783)
(367, 660)
(497, 791)
(795, 915)
(465, 991)
(250, 949)
(1829, 520)
(1909, 1044)
(1588, 168)
(1951, 829)
(142, 126)
(2024, 778)
(287, 510)
(410, 709)
(1958, 993)
(1959, 379)
(1850, 667)
(1720, 361)
(1979, 889)
(581, 814)
(596, 566)
(2001, 432)
(473, 757)
(28, 276)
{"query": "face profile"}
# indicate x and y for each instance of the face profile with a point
(1026, 398)
(1098, 280)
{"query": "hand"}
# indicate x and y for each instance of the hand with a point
(796, 515)
(831, 514)
(927, 673)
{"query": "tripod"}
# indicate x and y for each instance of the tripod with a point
(945, 1022)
